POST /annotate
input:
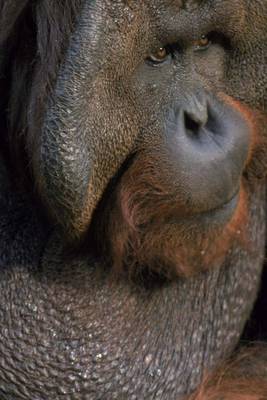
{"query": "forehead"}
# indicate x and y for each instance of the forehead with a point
(169, 9)
(175, 4)
(172, 18)
(191, 15)
(181, 4)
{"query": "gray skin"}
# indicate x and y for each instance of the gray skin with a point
(67, 330)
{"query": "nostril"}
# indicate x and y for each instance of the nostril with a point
(191, 125)
(195, 114)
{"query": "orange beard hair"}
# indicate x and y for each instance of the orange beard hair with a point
(244, 377)
(136, 225)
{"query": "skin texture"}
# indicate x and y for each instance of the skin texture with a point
(97, 187)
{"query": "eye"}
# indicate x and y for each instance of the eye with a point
(159, 57)
(202, 44)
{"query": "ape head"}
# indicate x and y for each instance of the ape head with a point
(152, 136)
(141, 127)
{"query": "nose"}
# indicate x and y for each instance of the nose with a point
(195, 114)
(207, 144)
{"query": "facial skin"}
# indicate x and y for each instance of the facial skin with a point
(146, 149)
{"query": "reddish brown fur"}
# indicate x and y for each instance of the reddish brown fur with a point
(255, 119)
(242, 378)
(141, 233)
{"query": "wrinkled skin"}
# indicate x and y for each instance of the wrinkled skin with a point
(68, 328)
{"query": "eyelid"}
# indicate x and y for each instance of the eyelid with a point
(154, 61)
(199, 47)
(214, 37)
(219, 38)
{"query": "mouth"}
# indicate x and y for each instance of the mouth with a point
(217, 216)
(222, 213)
(150, 225)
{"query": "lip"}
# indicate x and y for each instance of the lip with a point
(216, 216)
(219, 214)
